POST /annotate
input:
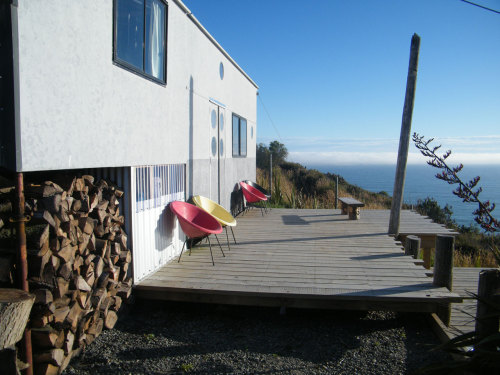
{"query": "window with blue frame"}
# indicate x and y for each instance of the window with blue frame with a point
(239, 136)
(140, 37)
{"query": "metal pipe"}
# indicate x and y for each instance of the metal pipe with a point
(23, 265)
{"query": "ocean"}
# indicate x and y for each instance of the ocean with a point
(421, 183)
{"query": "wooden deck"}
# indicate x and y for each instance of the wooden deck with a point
(465, 282)
(306, 258)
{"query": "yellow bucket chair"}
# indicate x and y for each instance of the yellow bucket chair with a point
(218, 212)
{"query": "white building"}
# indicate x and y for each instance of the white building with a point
(136, 90)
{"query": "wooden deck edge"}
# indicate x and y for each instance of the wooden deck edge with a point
(439, 328)
(442, 332)
(225, 298)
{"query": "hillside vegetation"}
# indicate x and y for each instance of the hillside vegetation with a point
(295, 186)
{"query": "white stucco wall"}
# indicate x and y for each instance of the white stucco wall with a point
(76, 109)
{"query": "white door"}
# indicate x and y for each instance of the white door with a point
(217, 150)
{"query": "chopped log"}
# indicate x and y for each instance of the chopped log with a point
(91, 244)
(97, 298)
(96, 328)
(47, 338)
(46, 369)
(43, 296)
(99, 230)
(57, 188)
(52, 203)
(15, 307)
(81, 284)
(62, 287)
(67, 253)
(90, 279)
(124, 291)
(105, 305)
(77, 263)
(117, 303)
(122, 240)
(98, 266)
(79, 184)
(125, 256)
(110, 320)
(65, 271)
(42, 320)
(54, 244)
(114, 272)
(68, 342)
(63, 301)
(86, 224)
(77, 205)
(103, 205)
(100, 247)
(73, 316)
(54, 357)
(81, 298)
(61, 314)
(55, 262)
(36, 264)
(83, 242)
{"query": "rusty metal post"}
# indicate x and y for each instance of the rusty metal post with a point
(20, 220)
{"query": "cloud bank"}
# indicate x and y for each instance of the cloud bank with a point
(321, 151)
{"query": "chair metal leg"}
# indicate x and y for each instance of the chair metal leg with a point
(227, 237)
(191, 247)
(234, 238)
(182, 251)
(217, 238)
(213, 263)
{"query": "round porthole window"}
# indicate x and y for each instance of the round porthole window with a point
(214, 146)
(221, 147)
(221, 70)
(214, 119)
(221, 122)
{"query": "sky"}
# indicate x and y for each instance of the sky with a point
(332, 74)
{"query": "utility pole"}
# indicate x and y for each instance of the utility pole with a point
(404, 139)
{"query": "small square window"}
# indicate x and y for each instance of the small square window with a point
(239, 136)
(140, 37)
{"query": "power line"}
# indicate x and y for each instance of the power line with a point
(269, 116)
(481, 6)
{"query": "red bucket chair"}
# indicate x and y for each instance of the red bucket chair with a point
(196, 225)
(253, 195)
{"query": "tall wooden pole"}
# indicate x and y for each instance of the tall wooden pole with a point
(336, 192)
(404, 139)
(271, 174)
(20, 220)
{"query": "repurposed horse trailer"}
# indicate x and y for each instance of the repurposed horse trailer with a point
(136, 91)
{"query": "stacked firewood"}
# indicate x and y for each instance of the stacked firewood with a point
(78, 263)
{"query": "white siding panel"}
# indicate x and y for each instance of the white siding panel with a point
(156, 235)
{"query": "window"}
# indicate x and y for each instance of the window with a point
(140, 37)
(239, 136)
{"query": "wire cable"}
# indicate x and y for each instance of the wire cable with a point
(269, 116)
(481, 6)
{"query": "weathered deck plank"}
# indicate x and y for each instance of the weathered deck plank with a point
(306, 258)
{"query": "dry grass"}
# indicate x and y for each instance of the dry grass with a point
(325, 196)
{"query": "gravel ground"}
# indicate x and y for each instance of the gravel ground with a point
(170, 338)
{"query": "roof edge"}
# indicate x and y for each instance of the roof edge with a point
(191, 16)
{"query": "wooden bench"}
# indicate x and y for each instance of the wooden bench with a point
(353, 205)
